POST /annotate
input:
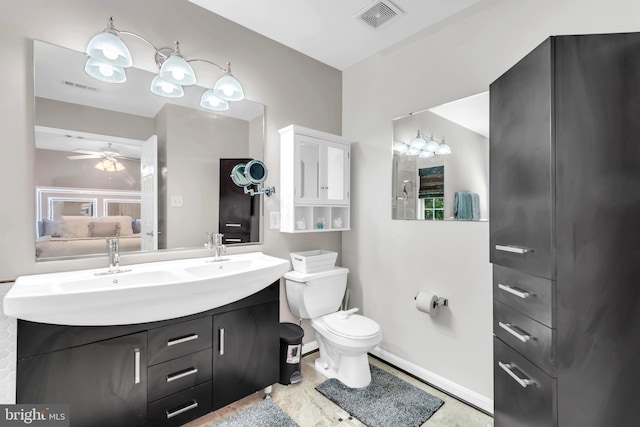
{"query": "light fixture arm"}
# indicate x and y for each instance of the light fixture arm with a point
(224, 70)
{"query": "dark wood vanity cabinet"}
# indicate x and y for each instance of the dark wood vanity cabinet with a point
(154, 374)
(565, 227)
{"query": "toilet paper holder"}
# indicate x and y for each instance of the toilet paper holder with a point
(440, 302)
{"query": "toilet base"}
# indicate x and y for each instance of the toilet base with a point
(352, 371)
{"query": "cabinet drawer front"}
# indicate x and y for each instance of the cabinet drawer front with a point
(532, 339)
(173, 341)
(527, 294)
(524, 395)
(179, 374)
(180, 408)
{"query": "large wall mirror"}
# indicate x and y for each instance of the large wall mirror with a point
(115, 159)
(441, 162)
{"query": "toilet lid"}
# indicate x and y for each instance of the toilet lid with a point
(354, 326)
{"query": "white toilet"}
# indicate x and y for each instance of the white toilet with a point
(344, 338)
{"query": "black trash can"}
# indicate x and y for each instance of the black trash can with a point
(290, 353)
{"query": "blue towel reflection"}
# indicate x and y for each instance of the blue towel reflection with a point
(466, 206)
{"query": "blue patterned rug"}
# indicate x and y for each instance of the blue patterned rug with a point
(264, 414)
(387, 402)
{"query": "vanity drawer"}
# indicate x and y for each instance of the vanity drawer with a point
(524, 395)
(532, 339)
(236, 237)
(180, 408)
(179, 339)
(527, 294)
(179, 374)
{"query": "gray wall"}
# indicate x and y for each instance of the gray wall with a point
(294, 88)
(390, 260)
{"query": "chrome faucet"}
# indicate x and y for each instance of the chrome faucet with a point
(113, 250)
(214, 242)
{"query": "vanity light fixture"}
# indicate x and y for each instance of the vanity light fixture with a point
(109, 56)
(400, 147)
(423, 148)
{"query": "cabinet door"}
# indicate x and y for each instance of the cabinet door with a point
(104, 383)
(335, 185)
(307, 158)
(521, 173)
(245, 352)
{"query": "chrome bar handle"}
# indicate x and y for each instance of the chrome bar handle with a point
(233, 239)
(509, 328)
(233, 225)
(182, 374)
(513, 249)
(221, 335)
(182, 410)
(514, 291)
(136, 366)
(524, 382)
(182, 340)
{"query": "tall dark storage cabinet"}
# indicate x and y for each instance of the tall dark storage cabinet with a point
(565, 234)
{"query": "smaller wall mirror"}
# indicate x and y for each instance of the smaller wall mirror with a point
(441, 162)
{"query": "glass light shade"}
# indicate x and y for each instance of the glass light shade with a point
(228, 88)
(105, 72)
(108, 48)
(166, 89)
(210, 101)
(432, 145)
(443, 149)
(110, 165)
(400, 147)
(175, 69)
(418, 144)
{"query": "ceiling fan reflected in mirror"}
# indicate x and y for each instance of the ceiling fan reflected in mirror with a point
(109, 158)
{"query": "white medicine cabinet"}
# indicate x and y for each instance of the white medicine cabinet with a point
(314, 181)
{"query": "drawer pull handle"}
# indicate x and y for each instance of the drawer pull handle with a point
(233, 225)
(182, 374)
(233, 239)
(188, 407)
(182, 340)
(221, 332)
(513, 249)
(524, 382)
(136, 366)
(524, 337)
(514, 291)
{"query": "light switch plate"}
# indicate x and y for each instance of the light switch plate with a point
(274, 220)
(176, 201)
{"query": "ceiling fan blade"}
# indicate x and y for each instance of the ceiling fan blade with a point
(87, 152)
(85, 156)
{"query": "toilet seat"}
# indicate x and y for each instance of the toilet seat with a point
(354, 326)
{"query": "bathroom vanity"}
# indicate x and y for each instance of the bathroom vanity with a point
(162, 373)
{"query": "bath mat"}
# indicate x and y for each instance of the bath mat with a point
(264, 414)
(387, 402)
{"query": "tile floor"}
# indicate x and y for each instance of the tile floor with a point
(309, 408)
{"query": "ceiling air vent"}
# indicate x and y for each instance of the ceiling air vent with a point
(378, 13)
(79, 86)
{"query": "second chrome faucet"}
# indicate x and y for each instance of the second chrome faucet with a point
(214, 242)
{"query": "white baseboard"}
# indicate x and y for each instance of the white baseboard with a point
(456, 390)
(309, 347)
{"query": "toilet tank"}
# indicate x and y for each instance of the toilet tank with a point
(311, 295)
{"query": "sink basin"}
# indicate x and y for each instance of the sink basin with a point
(115, 281)
(148, 293)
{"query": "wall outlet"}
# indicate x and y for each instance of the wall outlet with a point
(176, 201)
(274, 220)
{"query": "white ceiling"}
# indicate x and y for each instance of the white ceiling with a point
(327, 30)
(471, 112)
